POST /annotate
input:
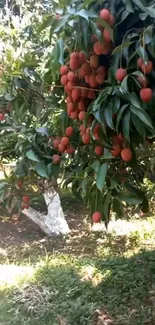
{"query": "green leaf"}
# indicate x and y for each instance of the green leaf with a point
(21, 83)
(65, 119)
(86, 184)
(148, 10)
(71, 10)
(55, 170)
(151, 11)
(133, 54)
(102, 172)
(59, 10)
(120, 48)
(95, 166)
(114, 182)
(86, 14)
(108, 114)
(87, 197)
(105, 25)
(84, 40)
(143, 16)
(115, 64)
(143, 116)
(142, 53)
(71, 23)
(116, 104)
(139, 126)
(56, 55)
(2, 185)
(128, 5)
(134, 100)
(107, 154)
(125, 14)
(119, 115)
(99, 118)
(139, 4)
(41, 169)
(151, 47)
(49, 170)
(126, 125)
(148, 34)
(32, 156)
(87, 3)
(96, 31)
(60, 44)
(97, 201)
(128, 198)
(58, 24)
(21, 169)
(9, 97)
(92, 13)
(106, 207)
(46, 23)
(124, 84)
(118, 208)
(101, 99)
(144, 206)
(138, 74)
(69, 179)
(61, 23)
(42, 130)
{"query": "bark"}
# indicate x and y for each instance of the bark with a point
(54, 223)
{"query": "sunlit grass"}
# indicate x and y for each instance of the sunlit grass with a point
(87, 271)
(13, 275)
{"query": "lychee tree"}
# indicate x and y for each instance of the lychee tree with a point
(30, 115)
(107, 75)
(101, 78)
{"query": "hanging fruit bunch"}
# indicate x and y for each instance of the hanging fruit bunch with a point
(108, 92)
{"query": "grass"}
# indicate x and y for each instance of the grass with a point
(83, 279)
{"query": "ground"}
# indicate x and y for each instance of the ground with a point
(86, 278)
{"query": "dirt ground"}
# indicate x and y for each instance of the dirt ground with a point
(19, 234)
(20, 231)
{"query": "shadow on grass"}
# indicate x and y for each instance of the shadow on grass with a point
(125, 287)
(122, 287)
(78, 243)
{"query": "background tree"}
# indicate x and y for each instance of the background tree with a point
(77, 103)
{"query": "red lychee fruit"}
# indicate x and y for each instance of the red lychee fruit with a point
(56, 159)
(121, 74)
(126, 154)
(96, 217)
(146, 94)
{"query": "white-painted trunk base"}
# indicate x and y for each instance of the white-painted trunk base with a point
(54, 223)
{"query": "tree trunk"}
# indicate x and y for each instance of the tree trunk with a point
(54, 223)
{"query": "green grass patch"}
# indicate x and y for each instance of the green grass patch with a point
(114, 275)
